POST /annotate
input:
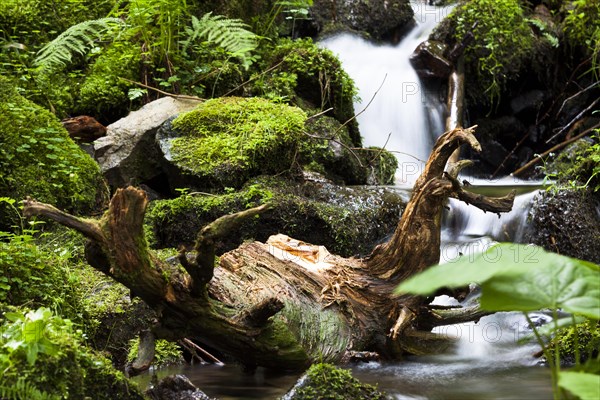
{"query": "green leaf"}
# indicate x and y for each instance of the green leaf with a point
(517, 277)
(585, 386)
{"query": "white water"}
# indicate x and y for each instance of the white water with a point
(400, 115)
(488, 359)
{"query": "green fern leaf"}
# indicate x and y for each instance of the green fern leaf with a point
(230, 34)
(75, 40)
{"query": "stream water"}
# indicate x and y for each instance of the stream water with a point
(488, 361)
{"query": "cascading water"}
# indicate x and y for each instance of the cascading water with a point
(404, 119)
(398, 114)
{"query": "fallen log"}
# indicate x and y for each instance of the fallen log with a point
(284, 303)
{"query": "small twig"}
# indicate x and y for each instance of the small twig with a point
(333, 139)
(367, 106)
(319, 114)
(254, 78)
(201, 350)
(575, 95)
(176, 96)
(559, 146)
(577, 118)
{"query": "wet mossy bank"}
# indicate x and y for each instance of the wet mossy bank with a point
(346, 220)
(224, 142)
(40, 160)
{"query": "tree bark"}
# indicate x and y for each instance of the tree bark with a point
(284, 303)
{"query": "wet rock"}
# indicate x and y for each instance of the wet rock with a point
(380, 19)
(497, 137)
(529, 102)
(568, 223)
(429, 62)
(176, 387)
(128, 154)
(348, 221)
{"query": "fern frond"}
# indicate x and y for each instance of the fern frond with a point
(229, 33)
(22, 389)
(75, 40)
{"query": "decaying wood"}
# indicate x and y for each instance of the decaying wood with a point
(285, 303)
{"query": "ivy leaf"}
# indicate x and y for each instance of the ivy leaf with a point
(583, 385)
(516, 277)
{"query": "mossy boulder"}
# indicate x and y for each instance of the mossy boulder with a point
(224, 142)
(103, 93)
(40, 160)
(310, 77)
(348, 221)
(581, 340)
(504, 47)
(379, 19)
(326, 381)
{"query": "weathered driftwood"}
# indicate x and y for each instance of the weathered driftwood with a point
(285, 304)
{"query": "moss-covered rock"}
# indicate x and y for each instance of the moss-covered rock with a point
(103, 93)
(40, 160)
(55, 362)
(379, 19)
(582, 340)
(225, 141)
(325, 381)
(348, 221)
(310, 77)
(504, 45)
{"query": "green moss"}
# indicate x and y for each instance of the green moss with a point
(39, 276)
(103, 93)
(165, 352)
(56, 362)
(577, 167)
(228, 140)
(308, 73)
(38, 158)
(582, 340)
(346, 221)
(325, 381)
(502, 48)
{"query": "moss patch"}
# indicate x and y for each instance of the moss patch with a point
(502, 47)
(347, 221)
(38, 158)
(55, 363)
(230, 139)
(325, 381)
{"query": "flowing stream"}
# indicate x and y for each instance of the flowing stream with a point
(488, 361)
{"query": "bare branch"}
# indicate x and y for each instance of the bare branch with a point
(88, 228)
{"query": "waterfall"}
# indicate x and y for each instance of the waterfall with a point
(398, 114)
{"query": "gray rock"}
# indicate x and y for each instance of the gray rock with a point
(128, 153)
(529, 102)
(176, 387)
(568, 223)
(429, 61)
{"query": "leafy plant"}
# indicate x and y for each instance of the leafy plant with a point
(78, 39)
(230, 34)
(515, 277)
(503, 41)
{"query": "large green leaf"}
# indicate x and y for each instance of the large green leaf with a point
(517, 277)
(585, 386)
